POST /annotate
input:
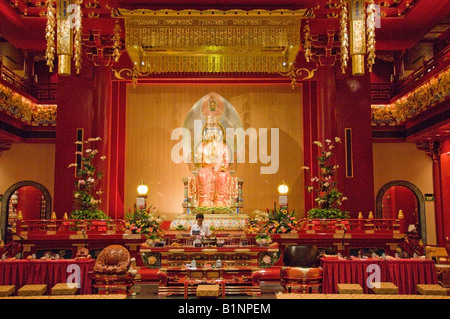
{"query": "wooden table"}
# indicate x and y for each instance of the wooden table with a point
(233, 280)
(404, 273)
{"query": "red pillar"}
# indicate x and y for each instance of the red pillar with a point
(353, 111)
(100, 127)
(116, 176)
(83, 102)
(326, 103)
(441, 181)
(309, 135)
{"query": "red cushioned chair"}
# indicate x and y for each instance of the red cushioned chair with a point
(303, 280)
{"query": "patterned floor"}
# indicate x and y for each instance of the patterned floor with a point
(118, 296)
(350, 296)
(268, 291)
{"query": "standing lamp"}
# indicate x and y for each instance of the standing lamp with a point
(283, 190)
(142, 190)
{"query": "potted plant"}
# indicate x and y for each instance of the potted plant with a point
(328, 198)
(87, 194)
(263, 239)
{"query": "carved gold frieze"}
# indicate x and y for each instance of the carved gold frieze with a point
(212, 41)
(296, 74)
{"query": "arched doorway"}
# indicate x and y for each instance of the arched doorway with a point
(406, 196)
(31, 198)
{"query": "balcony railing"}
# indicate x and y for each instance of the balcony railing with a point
(45, 92)
(437, 63)
(13, 79)
(69, 227)
(352, 226)
(385, 93)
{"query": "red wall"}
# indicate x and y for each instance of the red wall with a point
(403, 198)
(82, 103)
(29, 202)
(444, 210)
(353, 111)
(332, 104)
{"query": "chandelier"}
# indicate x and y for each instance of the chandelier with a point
(64, 16)
(212, 41)
(360, 16)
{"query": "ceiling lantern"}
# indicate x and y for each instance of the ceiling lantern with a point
(361, 39)
(65, 16)
(212, 41)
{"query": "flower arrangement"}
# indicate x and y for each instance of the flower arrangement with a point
(328, 197)
(280, 221)
(87, 194)
(145, 221)
(257, 222)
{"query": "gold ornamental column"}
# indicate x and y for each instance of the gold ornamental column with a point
(357, 35)
(64, 37)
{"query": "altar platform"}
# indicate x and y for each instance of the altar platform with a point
(221, 222)
(65, 237)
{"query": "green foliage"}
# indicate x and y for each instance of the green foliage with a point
(88, 214)
(87, 194)
(328, 198)
(327, 213)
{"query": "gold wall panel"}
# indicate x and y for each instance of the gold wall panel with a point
(155, 110)
(168, 41)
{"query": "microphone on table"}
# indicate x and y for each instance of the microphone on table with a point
(83, 231)
(343, 239)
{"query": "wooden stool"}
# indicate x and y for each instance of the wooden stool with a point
(64, 289)
(32, 290)
(350, 289)
(6, 291)
(207, 291)
(428, 289)
(385, 288)
(443, 273)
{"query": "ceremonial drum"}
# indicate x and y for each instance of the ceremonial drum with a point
(301, 256)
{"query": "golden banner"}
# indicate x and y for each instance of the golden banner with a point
(191, 41)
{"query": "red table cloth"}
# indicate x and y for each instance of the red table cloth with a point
(20, 272)
(404, 273)
(341, 271)
(407, 273)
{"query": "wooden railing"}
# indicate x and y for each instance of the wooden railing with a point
(46, 92)
(70, 226)
(11, 249)
(384, 93)
(367, 226)
(114, 226)
(437, 63)
(13, 79)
